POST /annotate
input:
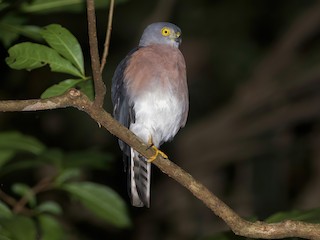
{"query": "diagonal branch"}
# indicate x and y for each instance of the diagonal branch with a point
(108, 36)
(74, 98)
(13, 202)
(238, 225)
(99, 87)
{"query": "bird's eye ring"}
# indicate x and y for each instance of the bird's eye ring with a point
(165, 31)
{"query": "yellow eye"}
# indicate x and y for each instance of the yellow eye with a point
(165, 31)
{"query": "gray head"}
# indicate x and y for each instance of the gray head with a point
(161, 33)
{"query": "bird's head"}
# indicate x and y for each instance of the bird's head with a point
(161, 33)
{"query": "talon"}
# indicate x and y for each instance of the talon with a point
(151, 159)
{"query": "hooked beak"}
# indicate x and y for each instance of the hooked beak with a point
(176, 36)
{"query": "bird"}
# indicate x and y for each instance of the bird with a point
(150, 97)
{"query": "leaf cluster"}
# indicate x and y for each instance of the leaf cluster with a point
(63, 54)
(23, 208)
(24, 213)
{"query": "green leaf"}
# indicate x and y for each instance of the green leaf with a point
(3, 5)
(51, 229)
(60, 88)
(2, 237)
(11, 27)
(312, 215)
(66, 175)
(19, 228)
(5, 156)
(51, 6)
(47, 6)
(50, 207)
(5, 212)
(8, 35)
(101, 201)
(19, 142)
(30, 56)
(87, 88)
(60, 39)
(29, 31)
(20, 165)
(24, 190)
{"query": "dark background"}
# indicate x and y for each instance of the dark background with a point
(252, 135)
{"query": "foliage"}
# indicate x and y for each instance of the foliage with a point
(24, 212)
(27, 153)
(14, 24)
(55, 47)
(50, 6)
(63, 55)
(95, 196)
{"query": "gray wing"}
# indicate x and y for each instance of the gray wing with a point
(122, 110)
(138, 169)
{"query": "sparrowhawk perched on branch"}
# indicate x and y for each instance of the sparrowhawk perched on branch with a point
(150, 97)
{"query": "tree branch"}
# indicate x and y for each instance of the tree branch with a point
(61, 101)
(12, 202)
(99, 87)
(76, 99)
(237, 224)
(108, 36)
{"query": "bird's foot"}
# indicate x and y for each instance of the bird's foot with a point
(151, 159)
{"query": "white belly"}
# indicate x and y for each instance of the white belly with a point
(158, 117)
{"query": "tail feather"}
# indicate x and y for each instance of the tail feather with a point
(139, 180)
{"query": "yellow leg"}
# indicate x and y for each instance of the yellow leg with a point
(151, 159)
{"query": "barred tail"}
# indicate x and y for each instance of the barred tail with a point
(139, 174)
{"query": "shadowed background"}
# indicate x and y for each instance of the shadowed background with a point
(252, 136)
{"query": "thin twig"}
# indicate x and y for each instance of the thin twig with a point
(12, 202)
(99, 87)
(7, 199)
(43, 185)
(108, 36)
